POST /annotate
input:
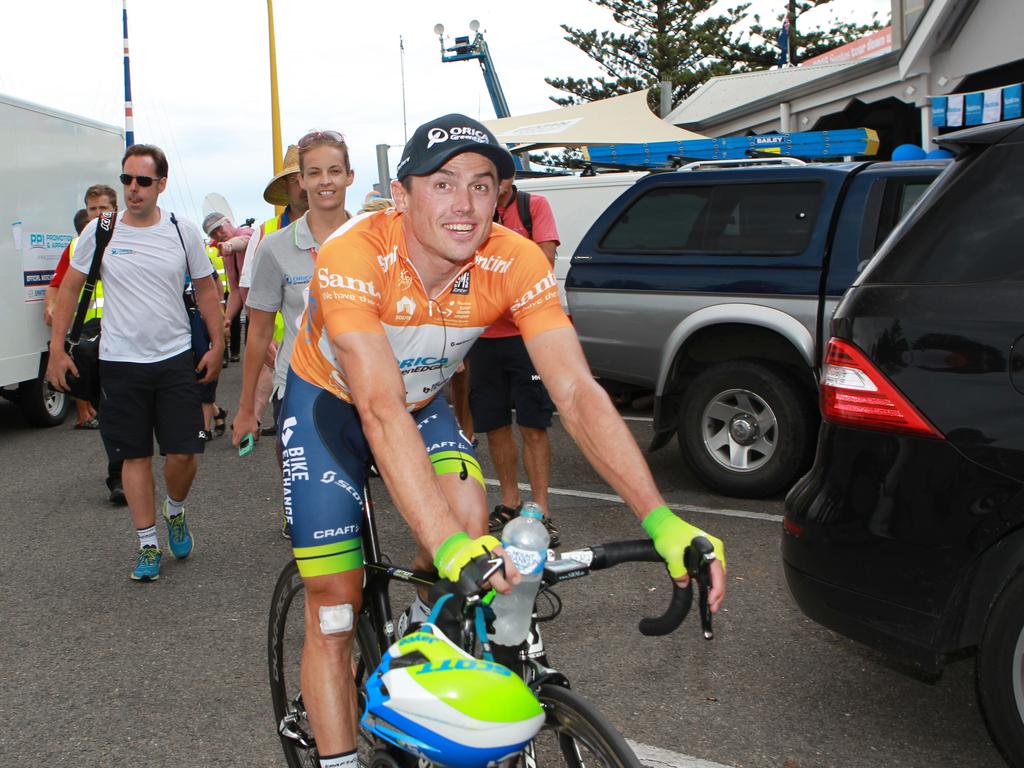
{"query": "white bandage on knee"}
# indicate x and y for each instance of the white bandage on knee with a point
(335, 618)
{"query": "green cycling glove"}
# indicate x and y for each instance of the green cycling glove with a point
(457, 550)
(672, 535)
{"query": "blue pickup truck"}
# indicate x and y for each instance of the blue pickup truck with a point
(712, 287)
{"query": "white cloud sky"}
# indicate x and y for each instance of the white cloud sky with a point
(200, 74)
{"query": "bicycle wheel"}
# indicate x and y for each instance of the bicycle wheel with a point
(286, 633)
(575, 734)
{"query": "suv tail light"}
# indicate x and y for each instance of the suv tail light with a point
(855, 393)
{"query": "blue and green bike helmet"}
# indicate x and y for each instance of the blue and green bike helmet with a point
(433, 699)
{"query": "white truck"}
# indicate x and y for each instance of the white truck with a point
(48, 159)
(576, 202)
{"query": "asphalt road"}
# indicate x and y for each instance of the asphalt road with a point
(96, 670)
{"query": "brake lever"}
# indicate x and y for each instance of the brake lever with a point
(697, 559)
(494, 565)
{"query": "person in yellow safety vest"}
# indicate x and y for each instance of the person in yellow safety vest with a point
(282, 190)
(98, 198)
(231, 242)
(213, 252)
(218, 264)
(95, 311)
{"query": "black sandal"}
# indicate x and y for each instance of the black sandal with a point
(220, 422)
(502, 515)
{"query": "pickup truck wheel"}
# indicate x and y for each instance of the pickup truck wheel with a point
(42, 405)
(1000, 671)
(745, 428)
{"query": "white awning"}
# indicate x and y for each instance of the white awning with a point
(618, 120)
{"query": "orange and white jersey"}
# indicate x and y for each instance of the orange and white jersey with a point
(364, 281)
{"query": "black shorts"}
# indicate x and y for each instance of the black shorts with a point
(139, 399)
(208, 392)
(502, 377)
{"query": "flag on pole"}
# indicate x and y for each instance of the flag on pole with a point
(129, 123)
(784, 43)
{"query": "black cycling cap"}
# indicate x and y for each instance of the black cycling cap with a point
(438, 141)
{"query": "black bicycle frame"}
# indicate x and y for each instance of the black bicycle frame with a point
(376, 601)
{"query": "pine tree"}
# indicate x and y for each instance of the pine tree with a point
(682, 42)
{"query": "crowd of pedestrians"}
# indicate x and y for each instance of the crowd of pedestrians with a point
(340, 348)
(357, 326)
(264, 271)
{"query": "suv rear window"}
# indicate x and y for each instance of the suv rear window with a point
(972, 231)
(772, 218)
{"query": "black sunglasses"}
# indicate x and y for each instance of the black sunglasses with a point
(144, 181)
(312, 136)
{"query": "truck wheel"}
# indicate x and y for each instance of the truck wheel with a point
(42, 405)
(1000, 671)
(746, 429)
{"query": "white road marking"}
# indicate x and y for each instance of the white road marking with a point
(659, 758)
(743, 513)
(624, 418)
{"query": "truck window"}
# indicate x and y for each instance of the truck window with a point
(971, 233)
(773, 218)
(899, 197)
(663, 219)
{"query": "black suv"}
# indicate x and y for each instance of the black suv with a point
(908, 532)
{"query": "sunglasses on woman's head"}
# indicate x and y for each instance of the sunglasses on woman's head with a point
(312, 136)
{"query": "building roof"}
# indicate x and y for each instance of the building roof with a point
(727, 92)
(729, 97)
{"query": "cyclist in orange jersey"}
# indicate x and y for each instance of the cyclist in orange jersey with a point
(396, 300)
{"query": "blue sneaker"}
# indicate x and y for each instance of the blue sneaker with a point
(178, 535)
(147, 564)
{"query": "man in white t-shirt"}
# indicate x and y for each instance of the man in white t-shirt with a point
(150, 380)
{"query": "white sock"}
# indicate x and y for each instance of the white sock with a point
(346, 760)
(174, 508)
(147, 537)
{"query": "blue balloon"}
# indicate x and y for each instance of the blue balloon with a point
(908, 152)
(939, 154)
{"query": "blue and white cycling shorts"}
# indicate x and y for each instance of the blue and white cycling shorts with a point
(324, 457)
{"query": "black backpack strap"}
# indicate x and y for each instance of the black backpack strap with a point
(523, 204)
(523, 207)
(181, 240)
(104, 231)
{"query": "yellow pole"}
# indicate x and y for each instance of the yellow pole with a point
(275, 106)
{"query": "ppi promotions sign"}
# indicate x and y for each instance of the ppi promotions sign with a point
(40, 253)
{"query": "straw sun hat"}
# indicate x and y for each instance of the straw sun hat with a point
(276, 192)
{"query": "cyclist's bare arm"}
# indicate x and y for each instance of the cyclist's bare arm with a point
(379, 395)
(588, 414)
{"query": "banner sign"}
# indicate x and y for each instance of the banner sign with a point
(955, 110)
(977, 107)
(1011, 102)
(992, 107)
(973, 104)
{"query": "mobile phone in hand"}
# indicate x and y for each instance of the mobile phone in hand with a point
(245, 446)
